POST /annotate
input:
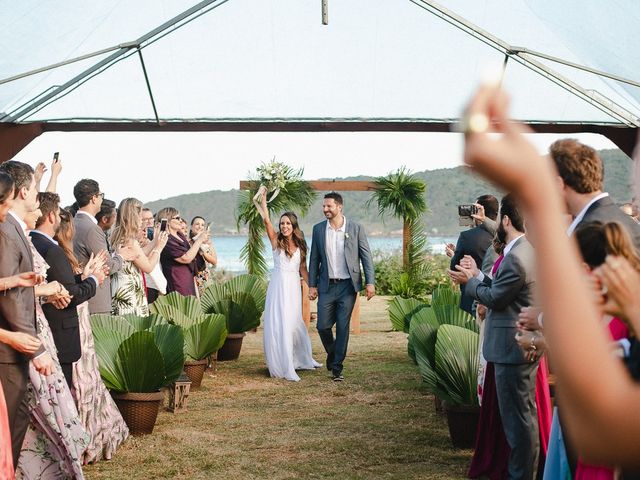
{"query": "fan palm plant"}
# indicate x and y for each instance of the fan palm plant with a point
(241, 300)
(137, 354)
(297, 195)
(203, 333)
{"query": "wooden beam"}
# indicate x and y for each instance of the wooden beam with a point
(14, 137)
(326, 185)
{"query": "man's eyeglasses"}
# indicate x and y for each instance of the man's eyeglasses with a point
(101, 195)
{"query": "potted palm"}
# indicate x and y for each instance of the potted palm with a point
(445, 339)
(203, 333)
(241, 301)
(137, 357)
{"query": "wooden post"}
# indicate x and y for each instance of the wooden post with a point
(355, 317)
(306, 303)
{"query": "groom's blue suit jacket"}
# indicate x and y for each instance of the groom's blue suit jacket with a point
(356, 250)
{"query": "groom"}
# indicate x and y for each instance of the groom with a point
(337, 248)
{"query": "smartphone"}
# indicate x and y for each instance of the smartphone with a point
(55, 157)
(149, 233)
(163, 225)
(208, 229)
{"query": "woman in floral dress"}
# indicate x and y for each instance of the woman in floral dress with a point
(127, 285)
(55, 440)
(98, 412)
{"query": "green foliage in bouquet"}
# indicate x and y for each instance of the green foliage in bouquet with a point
(296, 195)
(137, 354)
(241, 300)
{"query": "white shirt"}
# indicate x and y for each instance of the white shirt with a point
(580, 216)
(93, 219)
(334, 241)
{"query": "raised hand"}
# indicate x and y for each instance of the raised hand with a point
(39, 171)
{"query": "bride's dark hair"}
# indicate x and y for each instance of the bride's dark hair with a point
(297, 236)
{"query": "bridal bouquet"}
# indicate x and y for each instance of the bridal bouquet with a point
(273, 177)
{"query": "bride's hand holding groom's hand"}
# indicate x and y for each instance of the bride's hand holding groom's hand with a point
(313, 293)
(370, 291)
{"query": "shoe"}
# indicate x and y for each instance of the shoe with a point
(337, 377)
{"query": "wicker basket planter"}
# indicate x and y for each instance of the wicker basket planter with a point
(139, 410)
(463, 424)
(231, 348)
(195, 370)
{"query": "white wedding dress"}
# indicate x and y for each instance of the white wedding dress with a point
(287, 346)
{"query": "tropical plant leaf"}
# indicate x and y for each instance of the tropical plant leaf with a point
(444, 294)
(209, 299)
(206, 337)
(400, 193)
(454, 315)
(251, 284)
(185, 310)
(457, 365)
(170, 340)
(400, 310)
(139, 363)
(422, 335)
(144, 323)
(108, 334)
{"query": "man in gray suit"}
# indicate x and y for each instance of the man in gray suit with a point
(337, 248)
(17, 305)
(515, 375)
(91, 239)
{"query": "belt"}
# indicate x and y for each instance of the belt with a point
(338, 280)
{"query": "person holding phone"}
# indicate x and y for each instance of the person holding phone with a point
(178, 256)
(206, 256)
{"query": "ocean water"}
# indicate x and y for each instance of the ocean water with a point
(228, 248)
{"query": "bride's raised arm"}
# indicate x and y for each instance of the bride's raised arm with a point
(264, 213)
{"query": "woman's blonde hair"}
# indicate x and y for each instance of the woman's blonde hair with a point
(127, 222)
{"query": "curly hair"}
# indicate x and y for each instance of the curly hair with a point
(127, 222)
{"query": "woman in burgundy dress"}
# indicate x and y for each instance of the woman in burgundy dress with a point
(178, 255)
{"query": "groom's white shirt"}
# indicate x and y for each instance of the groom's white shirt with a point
(334, 242)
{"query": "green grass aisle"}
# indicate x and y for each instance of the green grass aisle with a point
(243, 425)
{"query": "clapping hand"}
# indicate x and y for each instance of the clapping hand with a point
(465, 271)
(449, 249)
(620, 280)
(29, 279)
(528, 318)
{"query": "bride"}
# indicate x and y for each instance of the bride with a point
(287, 347)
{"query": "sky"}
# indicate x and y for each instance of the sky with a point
(152, 166)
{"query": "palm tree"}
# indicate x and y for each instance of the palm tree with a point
(403, 195)
(297, 195)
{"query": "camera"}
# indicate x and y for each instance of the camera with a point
(163, 225)
(464, 213)
(149, 233)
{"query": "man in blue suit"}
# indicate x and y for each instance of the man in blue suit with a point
(338, 247)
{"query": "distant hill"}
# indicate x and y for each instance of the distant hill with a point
(446, 188)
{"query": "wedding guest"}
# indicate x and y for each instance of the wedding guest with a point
(178, 256)
(106, 217)
(597, 419)
(475, 242)
(155, 282)
(55, 439)
(505, 295)
(127, 284)
(17, 305)
(90, 239)
(63, 322)
(98, 413)
(206, 257)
